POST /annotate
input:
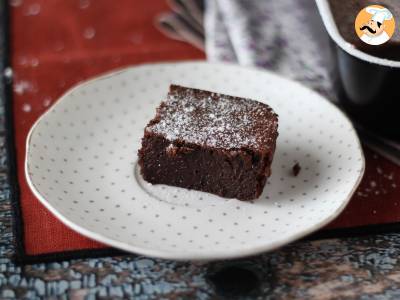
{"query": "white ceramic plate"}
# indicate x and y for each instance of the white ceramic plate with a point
(82, 165)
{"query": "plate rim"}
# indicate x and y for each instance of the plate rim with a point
(190, 256)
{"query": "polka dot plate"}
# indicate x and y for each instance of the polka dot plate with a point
(82, 165)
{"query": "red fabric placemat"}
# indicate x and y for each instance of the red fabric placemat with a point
(56, 44)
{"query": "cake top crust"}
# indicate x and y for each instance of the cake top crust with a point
(215, 120)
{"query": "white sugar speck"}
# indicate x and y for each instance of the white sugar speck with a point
(372, 183)
(8, 73)
(374, 211)
(379, 170)
(89, 33)
(46, 101)
(26, 107)
(15, 3)
(33, 62)
(33, 10)
(83, 4)
(22, 86)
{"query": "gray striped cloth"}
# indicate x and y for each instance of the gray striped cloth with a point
(285, 36)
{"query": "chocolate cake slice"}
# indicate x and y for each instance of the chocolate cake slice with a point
(210, 142)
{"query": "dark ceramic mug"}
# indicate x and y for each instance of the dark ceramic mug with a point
(368, 87)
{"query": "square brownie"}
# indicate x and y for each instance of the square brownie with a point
(210, 142)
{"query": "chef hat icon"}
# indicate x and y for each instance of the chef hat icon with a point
(379, 14)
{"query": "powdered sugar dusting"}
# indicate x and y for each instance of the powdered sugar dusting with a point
(215, 120)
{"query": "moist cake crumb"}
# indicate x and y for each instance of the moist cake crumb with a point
(296, 169)
(210, 142)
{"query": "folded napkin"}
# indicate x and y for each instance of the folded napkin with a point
(286, 36)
